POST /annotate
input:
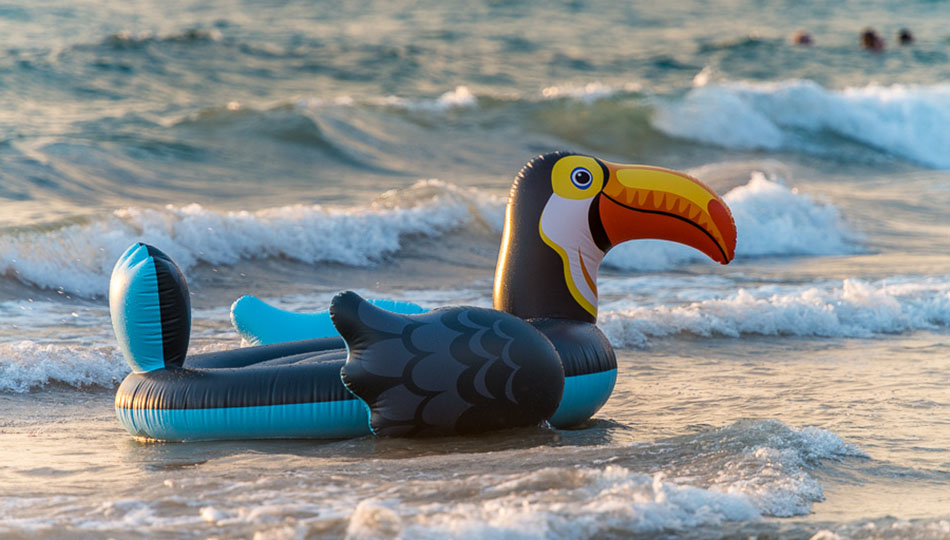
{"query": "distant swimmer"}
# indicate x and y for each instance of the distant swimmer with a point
(905, 37)
(871, 40)
(802, 37)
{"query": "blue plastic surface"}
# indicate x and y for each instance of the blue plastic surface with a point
(260, 323)
(134, 306)
(583, 396)
(324, 420)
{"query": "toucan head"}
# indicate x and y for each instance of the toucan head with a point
(580, 207)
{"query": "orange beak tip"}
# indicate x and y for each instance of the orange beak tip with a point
(722, 217)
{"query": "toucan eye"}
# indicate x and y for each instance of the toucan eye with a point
(581, 178)
(577, 177)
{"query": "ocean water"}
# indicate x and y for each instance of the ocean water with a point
(292, 150)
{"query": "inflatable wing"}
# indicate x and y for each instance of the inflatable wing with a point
(450, 371)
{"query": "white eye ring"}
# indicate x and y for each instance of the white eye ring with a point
(581, 177)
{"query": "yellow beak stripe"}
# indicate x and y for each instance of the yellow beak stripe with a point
(664, 180)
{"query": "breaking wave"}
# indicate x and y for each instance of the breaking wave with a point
(852, 308)
(772, 220)
(904, 120)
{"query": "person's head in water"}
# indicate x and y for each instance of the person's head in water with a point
(801, 37)
(871, 40)
(905, 37)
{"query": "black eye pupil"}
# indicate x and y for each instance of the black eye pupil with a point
(582, 177)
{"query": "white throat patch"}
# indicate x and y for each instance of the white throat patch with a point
(564, 227)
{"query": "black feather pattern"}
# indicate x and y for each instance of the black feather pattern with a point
(449, 371)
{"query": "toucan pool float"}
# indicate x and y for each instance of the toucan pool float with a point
(392, 368)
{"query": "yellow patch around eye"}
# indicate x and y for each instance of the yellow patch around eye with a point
(561, 181)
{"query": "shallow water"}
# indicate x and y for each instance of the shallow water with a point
(687, 445)
(291, 152)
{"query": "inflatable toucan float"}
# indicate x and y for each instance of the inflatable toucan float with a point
(391, 368)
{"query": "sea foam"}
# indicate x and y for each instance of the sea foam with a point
(27, 364)
(908, 121)
(79, 258)
(902, 120)
(581, 503)
(459, 98)
(702, 306)
(852, 308)
(772, 219)
(741, 472)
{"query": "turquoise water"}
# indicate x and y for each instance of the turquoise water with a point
(291, 151)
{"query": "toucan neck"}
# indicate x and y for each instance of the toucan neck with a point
(530, 275)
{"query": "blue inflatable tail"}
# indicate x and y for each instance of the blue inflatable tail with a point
(260, 323)
(150, 308)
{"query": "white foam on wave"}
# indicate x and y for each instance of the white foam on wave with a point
(908, 121)
(850, 308)
(72, 343)
(79, 258)
(632, 314)
(459, 98)
(771, 219)
(741, 472)
(585, 503)
(774, 467)
(122, 514)
(588, 93)
(27, 364)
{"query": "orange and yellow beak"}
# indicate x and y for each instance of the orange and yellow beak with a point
(639, 202)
